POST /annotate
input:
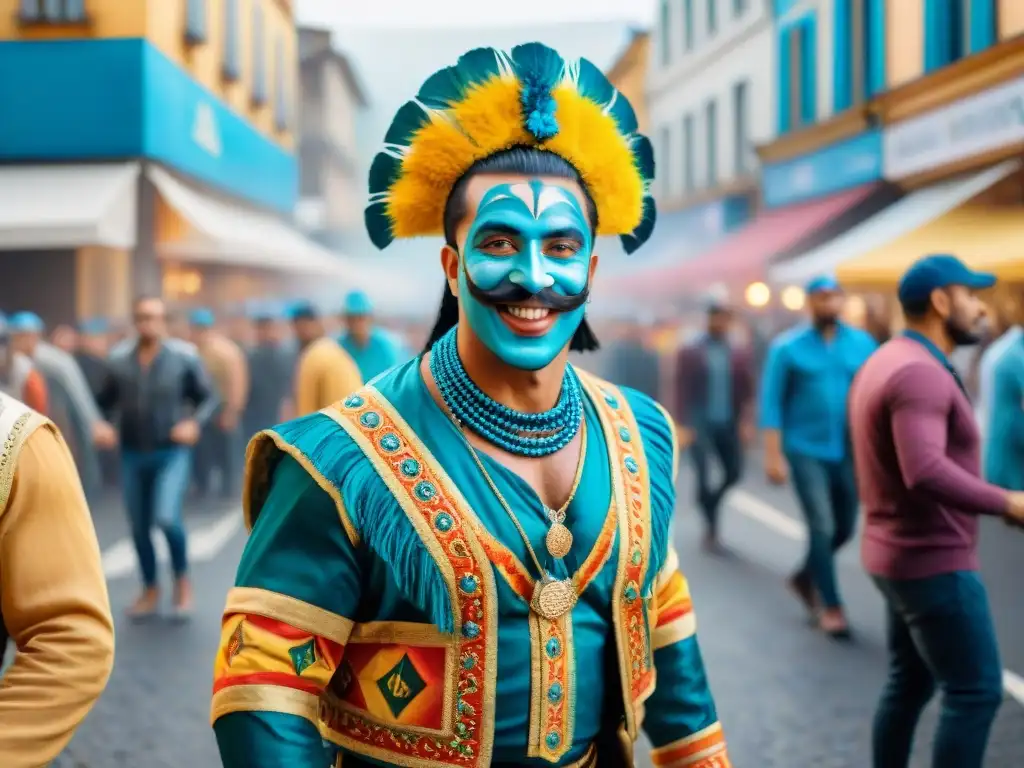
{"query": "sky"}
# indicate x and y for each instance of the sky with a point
(473, 13)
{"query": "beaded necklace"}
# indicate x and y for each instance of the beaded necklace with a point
(523, 434)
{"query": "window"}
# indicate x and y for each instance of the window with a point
(231, 68)
(712, 16)
(664, 38)
(664, 161)
(195, 22)
(801, 70)
(259, 57)
(689, 169)
(947, 31)
(741, 127)
(983, 24)
(688, 36)
(739, 7)
(711, 131)
(280, 87)
(51, 11)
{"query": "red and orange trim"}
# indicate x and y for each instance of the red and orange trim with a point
(704, 749)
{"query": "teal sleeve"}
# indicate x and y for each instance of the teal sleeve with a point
(298, 549)
(681, 704)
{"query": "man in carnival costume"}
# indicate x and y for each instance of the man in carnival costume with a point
(468, 563)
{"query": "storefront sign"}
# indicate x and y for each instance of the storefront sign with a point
(981, 123)
(840, 166)
(60, 108)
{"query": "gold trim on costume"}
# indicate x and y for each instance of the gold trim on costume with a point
(264, 698)
(291, 611)
(400, 633)
(675, 631)
(441, 517)
(552, 718)
(17, 423)
(257, 459)
(631, 485)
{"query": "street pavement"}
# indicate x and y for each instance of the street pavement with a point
(788, 697)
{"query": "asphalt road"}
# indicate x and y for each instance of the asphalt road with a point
(788, 697)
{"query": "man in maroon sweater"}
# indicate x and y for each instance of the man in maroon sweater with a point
(916, 450)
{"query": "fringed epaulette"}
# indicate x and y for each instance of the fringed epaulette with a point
(369, 511)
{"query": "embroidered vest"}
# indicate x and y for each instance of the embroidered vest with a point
(462, 734)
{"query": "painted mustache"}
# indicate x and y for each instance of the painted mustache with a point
(509, 293)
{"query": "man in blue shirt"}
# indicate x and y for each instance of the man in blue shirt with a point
(373, 349)
(806, 380)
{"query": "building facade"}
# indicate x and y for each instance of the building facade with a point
(331, 180)
(147, 147)
(711, 97)
(935, 88)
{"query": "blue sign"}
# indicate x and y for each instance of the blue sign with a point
(837, 167)
(92, 100)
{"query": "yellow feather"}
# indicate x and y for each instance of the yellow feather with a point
(489, 120)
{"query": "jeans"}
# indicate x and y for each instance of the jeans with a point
(940, 633)
(723, 442)
(827, 491)
(154, 489)
(223, 450)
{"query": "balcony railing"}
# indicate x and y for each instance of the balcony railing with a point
(52, 12)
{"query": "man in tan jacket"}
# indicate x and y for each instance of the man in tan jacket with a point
(52, 591)
(325, 372)
(222, 444)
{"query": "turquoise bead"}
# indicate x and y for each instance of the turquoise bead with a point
(553, 740)
(410, 467)
(555, 693)
(390, 443)
(370, 420)
(468, 584)
(353, 401)
(470, 630)
(553, 648)
(624, 435)
(631, 464)
(444, 522)
(424, 490)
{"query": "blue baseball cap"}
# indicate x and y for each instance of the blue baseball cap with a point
(202, 318)
(358, 303)
(26, 322)
(821, 284)
(939, 271)
(303, 310)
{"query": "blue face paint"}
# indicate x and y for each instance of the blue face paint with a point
(535, 236)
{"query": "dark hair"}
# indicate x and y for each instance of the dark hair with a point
(528, 161)
(917, 309)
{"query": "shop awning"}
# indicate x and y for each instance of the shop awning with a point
(872, 247)
(984, 237)
(228, 233)
(743, 257)
(67, 206)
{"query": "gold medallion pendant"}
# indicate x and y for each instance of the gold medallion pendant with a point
(552, 599)
(558, 540)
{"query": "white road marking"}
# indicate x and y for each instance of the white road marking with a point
(204, 544)
(778, 521)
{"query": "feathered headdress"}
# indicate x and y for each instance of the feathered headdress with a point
(491, 101)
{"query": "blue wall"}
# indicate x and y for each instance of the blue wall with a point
(871, 59)
(82, 100)
(801, 30)
(837, 167)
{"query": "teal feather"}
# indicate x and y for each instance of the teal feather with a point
(449, 86)
(592, 83)
(385, 170)
(378, 225)
(382, 525)
(640, 235)
(539, 70)
(407, 122)
(643, 156)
